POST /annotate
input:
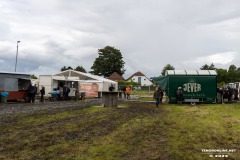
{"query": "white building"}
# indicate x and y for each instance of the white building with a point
(140, 78)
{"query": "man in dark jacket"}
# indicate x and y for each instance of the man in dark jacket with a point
(66, 91)
(124, 92)
(157, 96)
(111, 88)
(161, 93)
(31, 93)
(42, 92)
(179, 95)
(34, 95)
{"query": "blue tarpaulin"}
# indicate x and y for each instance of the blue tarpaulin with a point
(4, 94)
(83, 93)
(54, 92)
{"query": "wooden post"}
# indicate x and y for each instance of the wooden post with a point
(109, 99)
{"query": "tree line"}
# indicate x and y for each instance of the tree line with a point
(78, 68)
(110, 60)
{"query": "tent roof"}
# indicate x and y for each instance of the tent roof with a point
(190, 72)
(83, 76)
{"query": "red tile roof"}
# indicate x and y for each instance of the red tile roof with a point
(116, 77)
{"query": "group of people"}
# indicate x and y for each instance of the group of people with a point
(126, 91)
(32, 91)
(159, 92)
(227, 94)
(64, 91)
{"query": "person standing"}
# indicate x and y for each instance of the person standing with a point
(179, 95)
(111, 88)
(61, 97)
(124, 91)
(68, 91)
(42, 92)
(161, 94)
(31, 92)
(157, 96)
(34, 95)
(65, 92)
(128, 91)
(120, 92)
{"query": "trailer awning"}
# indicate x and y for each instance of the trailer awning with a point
(162, 81)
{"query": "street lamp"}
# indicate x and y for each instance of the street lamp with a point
(16, 56)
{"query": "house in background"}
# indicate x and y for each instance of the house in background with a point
(116, 77)
(140, 78)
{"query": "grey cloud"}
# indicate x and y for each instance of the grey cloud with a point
(150, 34)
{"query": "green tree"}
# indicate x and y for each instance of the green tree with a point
(232, 73)
(167, 67)
(238, 73)
(110, 60)
(222, 76)
(64, 68)
(33, 77)
(125, 83)
(207, 67)
(80, 69)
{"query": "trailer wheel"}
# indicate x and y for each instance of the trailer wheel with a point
(193, 103)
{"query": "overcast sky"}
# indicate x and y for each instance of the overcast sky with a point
(149, 33)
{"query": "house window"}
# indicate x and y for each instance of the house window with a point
(144, 79)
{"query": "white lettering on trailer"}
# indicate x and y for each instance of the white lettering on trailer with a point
(192, 87)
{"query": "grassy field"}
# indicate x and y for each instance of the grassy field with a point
(133, 131)
(142, 92)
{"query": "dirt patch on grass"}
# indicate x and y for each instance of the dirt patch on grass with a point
(137, 130)
(133, 131)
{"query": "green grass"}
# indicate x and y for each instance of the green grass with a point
(142, 92)
(203, 127)
(134, 131)
(146, 99)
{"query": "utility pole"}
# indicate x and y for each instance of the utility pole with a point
(16, 56)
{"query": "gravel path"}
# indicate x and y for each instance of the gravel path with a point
(21, 107)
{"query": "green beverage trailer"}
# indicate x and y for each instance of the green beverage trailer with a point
(197, 85)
